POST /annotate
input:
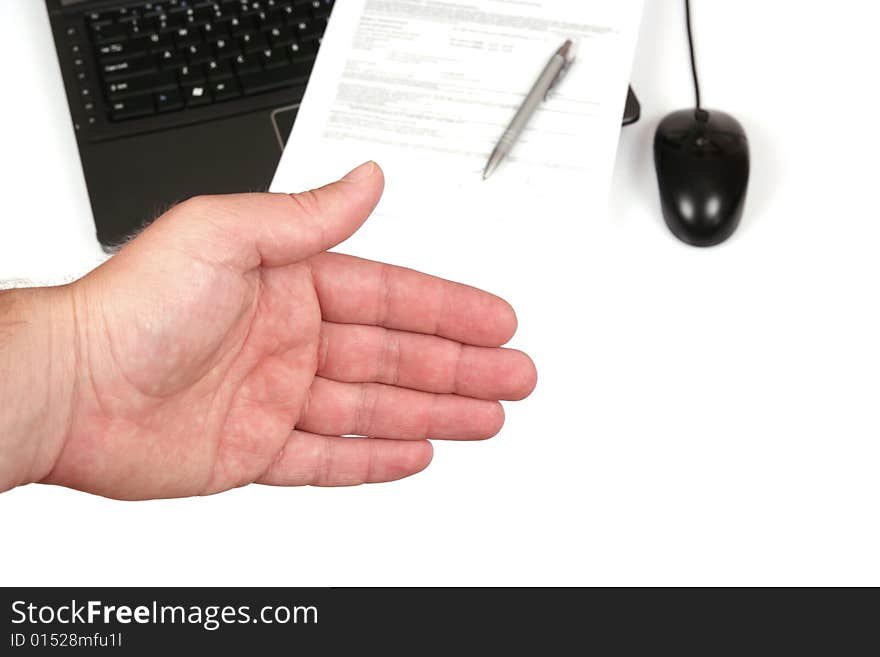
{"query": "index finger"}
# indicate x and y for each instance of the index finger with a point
(356, 291)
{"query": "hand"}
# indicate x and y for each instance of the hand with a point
(224, 346)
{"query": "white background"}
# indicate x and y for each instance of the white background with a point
(730, 431)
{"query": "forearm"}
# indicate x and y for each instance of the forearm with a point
(36, 372)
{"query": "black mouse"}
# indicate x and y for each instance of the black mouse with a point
(702, 161)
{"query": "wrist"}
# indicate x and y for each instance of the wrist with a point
(37, 364)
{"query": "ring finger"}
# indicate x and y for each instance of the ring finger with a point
(382, 411)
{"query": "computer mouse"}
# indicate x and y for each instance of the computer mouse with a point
(702, 161)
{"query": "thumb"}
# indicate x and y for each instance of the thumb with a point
(317, 220)
(311, 222)
(274, 230)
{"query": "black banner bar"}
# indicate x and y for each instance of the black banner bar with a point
(413, 621)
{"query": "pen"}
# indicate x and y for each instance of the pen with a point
(553, 72)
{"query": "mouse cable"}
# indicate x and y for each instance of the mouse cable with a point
(687, 12)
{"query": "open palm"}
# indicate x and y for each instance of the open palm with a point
(224, 346)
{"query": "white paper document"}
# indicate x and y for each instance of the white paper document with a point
(426, 88)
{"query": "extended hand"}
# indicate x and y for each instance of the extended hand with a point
(224, 346)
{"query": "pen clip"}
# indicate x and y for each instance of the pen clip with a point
(562, 72)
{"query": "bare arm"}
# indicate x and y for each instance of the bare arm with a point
(37, 361)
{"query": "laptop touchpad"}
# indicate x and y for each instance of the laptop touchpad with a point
(282, 123)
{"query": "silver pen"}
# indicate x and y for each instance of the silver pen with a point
(553, 72)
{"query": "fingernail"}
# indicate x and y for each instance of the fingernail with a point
(360, 173)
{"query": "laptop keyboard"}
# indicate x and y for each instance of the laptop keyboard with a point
(169, 56)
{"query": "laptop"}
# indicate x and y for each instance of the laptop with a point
(176, 98)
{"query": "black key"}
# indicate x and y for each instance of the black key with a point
(224, 48)
(274, 58)
(197, 95)
(217, 70)
(321, 9)
(212, 32)
(174, 20)
(109, 33)
(171, 58)
(195, 23)
(146, 25)
(225, 89)
(271, 19)
(303, 52)
(198, 54)
(245, 64)
(281, 36)
(159, 42)
(180, 9)
(205, 11)
(227, 11)
(128, 68)
(253, 42)
(191, 75)
(308, 31)
(124, 13)
(185, 36)
(169, 101)
(153, 12)
(113, 15)
(224, 21)
(142, 85)
(293, 15)
(137, 30)
(254, 14)
(164, 27)
(99, 20)
(132, 108)
(300, 26)
(276, 78)
(112, 52)
(240, 26)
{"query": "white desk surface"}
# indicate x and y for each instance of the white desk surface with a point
(732, 434)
